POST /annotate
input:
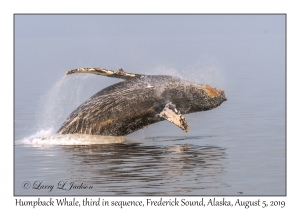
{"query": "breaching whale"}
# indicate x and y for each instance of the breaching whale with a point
(138, 101)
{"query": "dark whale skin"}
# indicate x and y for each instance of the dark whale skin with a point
(133, 104)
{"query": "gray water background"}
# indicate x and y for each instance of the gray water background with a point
(238, 148)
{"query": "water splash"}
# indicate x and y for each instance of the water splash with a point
(50, 106)
(54, 107)
(49, 137)
(204, 70)
(67, 94)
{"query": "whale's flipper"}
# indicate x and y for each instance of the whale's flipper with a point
(121, 74)
(171, 114)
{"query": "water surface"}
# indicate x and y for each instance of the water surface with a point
(238, 148)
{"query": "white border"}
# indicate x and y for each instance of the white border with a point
(8, 8)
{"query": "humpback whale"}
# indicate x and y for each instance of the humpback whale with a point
(138, 101)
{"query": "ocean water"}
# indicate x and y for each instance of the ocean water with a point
(238, 148)
(235, 149)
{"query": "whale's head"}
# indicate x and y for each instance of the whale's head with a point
(193, 97)
(204, 97)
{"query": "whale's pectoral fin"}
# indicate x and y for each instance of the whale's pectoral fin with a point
(121, 74)
(171, 114)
